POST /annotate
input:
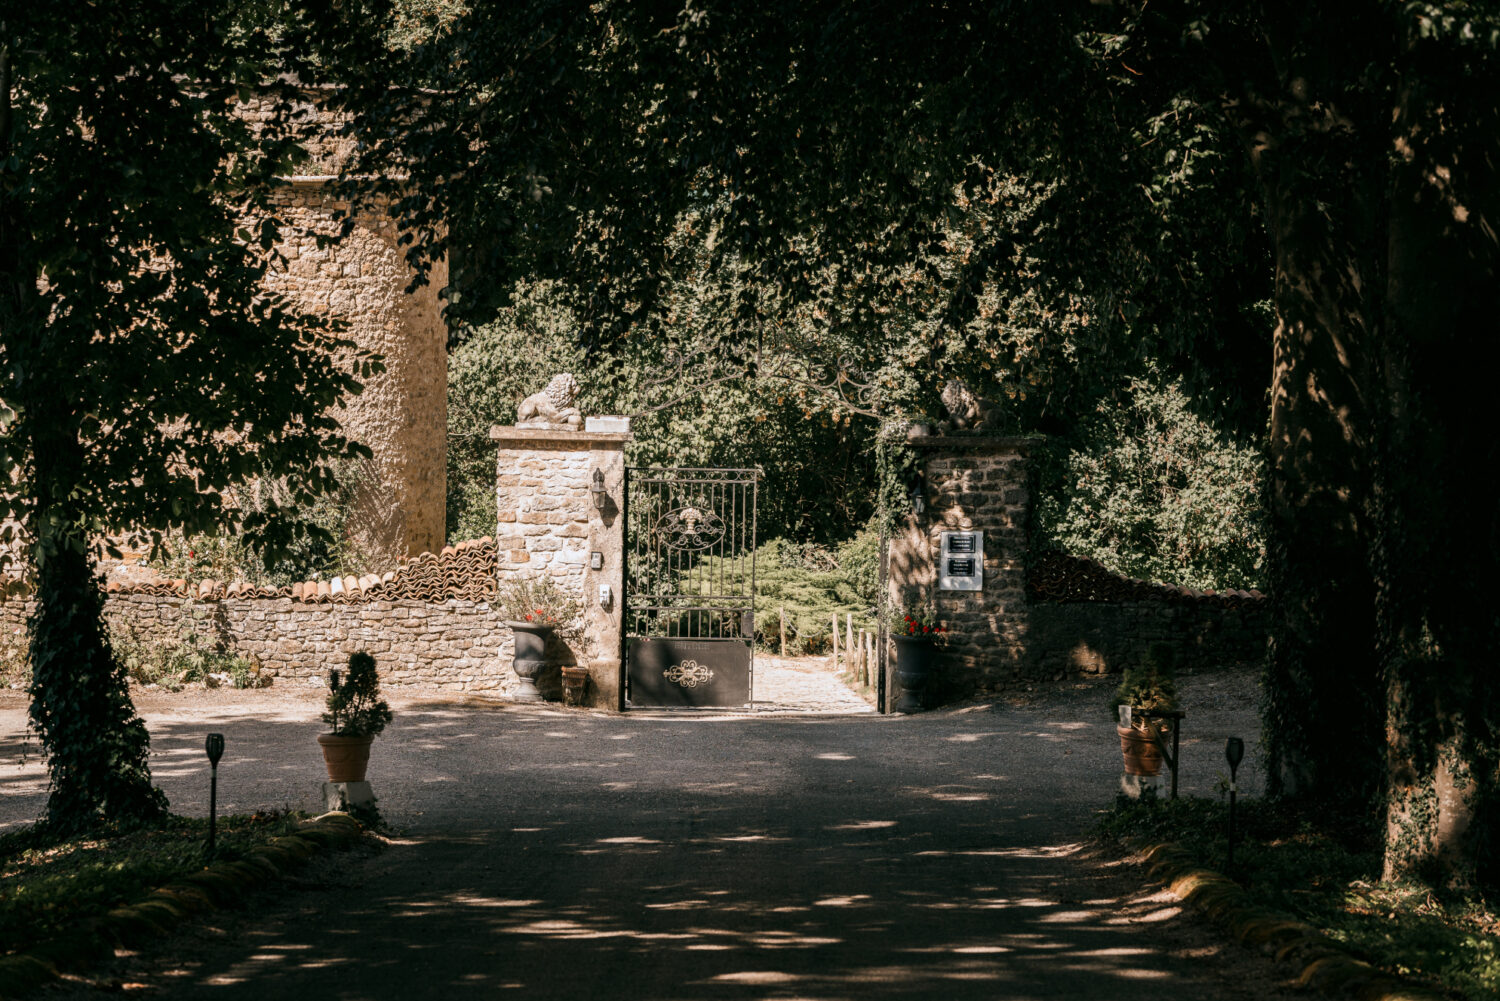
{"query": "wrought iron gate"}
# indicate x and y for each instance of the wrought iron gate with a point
(690, 586)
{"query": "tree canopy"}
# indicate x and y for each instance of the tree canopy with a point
(1147, 163)
(145, 371)
(1039, 200)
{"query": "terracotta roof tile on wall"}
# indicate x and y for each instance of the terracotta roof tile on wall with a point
(465, 572)
(1057, 576)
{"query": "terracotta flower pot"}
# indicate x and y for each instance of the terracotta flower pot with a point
(346, 758)
(575, 683)
(1142, 756)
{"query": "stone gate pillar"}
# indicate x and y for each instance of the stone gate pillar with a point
(969, 484)
(551, 523)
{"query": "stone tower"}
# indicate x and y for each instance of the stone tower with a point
(402, 415)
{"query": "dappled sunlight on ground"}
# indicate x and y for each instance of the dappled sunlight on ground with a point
(562, 854)
(711, 926)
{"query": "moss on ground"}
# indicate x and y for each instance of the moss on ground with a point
(1308, 887)
(65, 904)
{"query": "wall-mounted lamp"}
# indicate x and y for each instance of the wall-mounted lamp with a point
(596, 487)
(918, 502)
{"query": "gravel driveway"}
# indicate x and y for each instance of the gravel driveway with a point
(549, 853)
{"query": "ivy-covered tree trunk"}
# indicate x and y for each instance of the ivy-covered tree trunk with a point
(1321, 701)
(1437, 552)
(97, 747)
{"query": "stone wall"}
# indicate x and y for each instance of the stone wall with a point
(1069, 640)
(548, 525)
(975, 483)
(457, 645)
(430, 622)
(542, 511)
(1044, 617)
(361, 280)
(1083, 619)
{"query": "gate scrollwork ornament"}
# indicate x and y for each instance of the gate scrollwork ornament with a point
(689, 674)
(690, 527)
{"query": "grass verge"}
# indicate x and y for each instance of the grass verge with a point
(51, 887)
(1325, 871)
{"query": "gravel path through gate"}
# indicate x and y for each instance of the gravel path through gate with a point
(548, 853)
(803, 685)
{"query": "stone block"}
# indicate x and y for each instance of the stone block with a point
(347, 795)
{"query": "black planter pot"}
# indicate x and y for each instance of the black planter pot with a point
(916, 664)
(531, 657)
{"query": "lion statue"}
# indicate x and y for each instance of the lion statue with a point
(553, 406)
(966, 410)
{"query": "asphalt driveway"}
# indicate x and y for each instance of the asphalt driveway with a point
(555, 854)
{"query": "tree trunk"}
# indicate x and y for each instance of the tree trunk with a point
(97, 748)
(1321, 703)
(1437, 551)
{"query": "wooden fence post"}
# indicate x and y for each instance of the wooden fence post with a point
(849, 641)
(783, 630)
(835, 641)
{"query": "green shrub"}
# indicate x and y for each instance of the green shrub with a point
(858, 560)
(1150, 685)
(810, 582)
(1151, 489)
(355, 708)
(191, 660)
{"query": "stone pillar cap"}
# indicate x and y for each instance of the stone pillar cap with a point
(535, 436)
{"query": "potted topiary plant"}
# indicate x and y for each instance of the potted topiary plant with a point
(1151, 687)
(534, 610)
(918, 636)
(357, 713)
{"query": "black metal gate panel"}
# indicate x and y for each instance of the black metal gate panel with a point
(690, 587)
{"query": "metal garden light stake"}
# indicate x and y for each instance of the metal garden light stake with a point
(214, 748)
(1234, 753)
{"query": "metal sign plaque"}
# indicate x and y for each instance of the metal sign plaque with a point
(961, 561)
(689, 672)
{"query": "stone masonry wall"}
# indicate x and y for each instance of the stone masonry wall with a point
(402, 415)
(1042, 618)
(971, 484)
(429, 623)
(1085, 619)
(548, 526)
(457, 645)
(543, 508)
(1069, 640)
